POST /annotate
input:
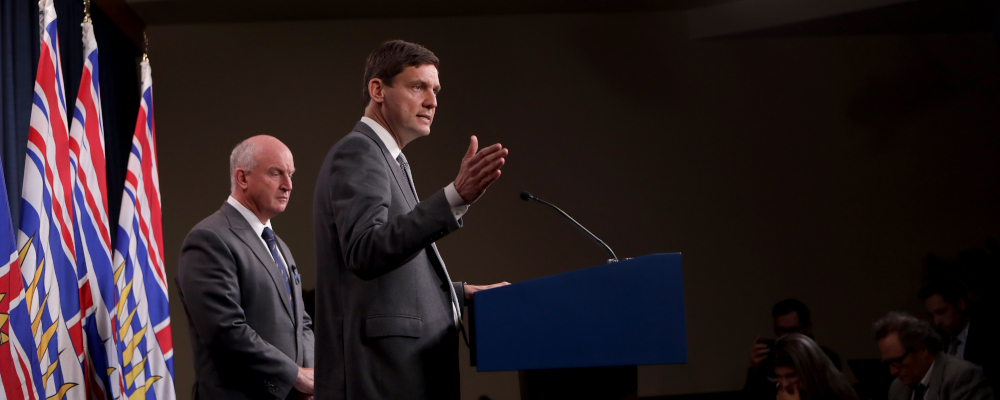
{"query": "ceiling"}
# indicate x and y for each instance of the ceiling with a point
(200, 11)
(723, 18)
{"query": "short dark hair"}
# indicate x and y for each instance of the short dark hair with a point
(912, 332)
(951, 290)
(391, 58)
(792, 305)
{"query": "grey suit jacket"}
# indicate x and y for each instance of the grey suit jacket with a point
(247, 339)
(384, 314)
(951, 379)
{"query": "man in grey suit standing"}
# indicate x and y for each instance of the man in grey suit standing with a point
(387, 312)
(912, 349)
(241, 290)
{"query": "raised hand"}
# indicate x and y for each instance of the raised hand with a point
(479, 170)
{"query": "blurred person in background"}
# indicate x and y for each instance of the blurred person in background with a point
(912, 350)
(789, 316)
(947, 303)
(804, 372)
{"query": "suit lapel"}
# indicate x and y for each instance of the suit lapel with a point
(241, 228)
(937, 378)
(397, 172)
(296, 294)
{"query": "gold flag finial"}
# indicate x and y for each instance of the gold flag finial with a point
(86, 12)
(145, 47)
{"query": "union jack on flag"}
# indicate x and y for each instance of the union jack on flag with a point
(45, 239)
(91, 229)
(145, 344)
(18, 362)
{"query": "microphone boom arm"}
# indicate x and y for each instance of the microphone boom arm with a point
(528, 197)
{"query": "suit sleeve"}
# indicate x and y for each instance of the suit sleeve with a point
(209, 286)
(310, 341)
(360, 189)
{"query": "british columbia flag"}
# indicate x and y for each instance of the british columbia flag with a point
(145, 344)
(18, 362)
(45, 239)
(91, 228)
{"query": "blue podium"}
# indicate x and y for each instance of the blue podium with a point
(620, 314)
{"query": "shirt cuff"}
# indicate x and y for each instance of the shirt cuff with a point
(458, 206)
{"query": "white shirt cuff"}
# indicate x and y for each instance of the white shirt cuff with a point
(458, 206)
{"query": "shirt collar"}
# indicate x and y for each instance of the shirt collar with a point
(964, 334)
(258, 227)
(387, 139)
(927, 377)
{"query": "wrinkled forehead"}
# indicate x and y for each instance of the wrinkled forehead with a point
(423, 73)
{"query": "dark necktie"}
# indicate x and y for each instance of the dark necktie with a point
(953, 346)
(272, 245)
(919, 392)
(401, 159)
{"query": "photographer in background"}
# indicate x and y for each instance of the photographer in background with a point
(790, 316)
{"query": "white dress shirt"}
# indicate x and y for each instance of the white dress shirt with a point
(962, 338)
(458, 206)
(258, 228)
(926, 381)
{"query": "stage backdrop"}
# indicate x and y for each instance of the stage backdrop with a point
(821, 167)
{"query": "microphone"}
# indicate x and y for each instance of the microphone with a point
(528, 197)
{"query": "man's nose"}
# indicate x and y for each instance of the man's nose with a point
(286, 183)
(431, 101)
(893, 370)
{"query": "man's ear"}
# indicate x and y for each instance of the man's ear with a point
(241, 178)
(376, 90)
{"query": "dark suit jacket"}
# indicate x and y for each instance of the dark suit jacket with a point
(248, 342)
(981, 350)
(951, 379)
(384, 314)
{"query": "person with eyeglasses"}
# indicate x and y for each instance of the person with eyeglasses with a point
(789, 316)
(913, 353)
(804, 372)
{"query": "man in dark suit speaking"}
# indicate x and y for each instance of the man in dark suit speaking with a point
(241, 290)
(387, 313)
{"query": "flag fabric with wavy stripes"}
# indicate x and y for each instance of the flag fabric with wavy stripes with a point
(91, 229)
(18, 362)
(45, 238)
(145, 344)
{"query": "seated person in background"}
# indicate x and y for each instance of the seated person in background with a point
(948, 305)
(790, 316)
(912, 349)
(804, 372)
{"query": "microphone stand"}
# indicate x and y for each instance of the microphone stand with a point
(528, 197)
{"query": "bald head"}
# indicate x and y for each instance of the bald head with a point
(260, 175)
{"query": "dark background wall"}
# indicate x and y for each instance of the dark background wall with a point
(819, 167)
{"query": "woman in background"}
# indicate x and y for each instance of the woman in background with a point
(804, 372)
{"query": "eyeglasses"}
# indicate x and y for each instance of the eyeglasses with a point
(898, 361)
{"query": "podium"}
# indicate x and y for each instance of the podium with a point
(583, 331)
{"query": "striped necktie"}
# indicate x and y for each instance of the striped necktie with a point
(272, 245)
(401, 159)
